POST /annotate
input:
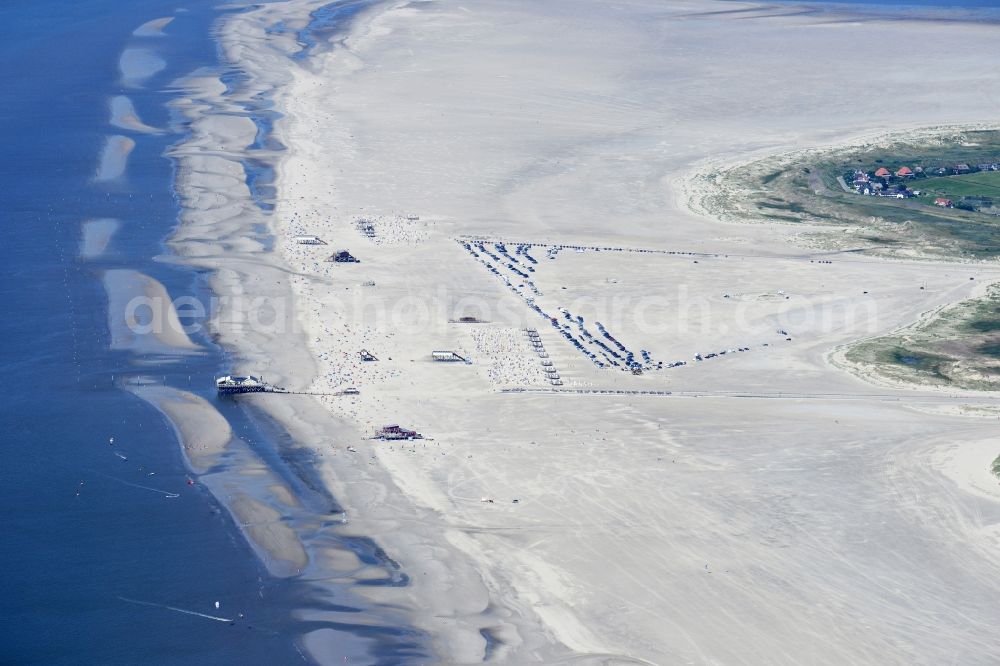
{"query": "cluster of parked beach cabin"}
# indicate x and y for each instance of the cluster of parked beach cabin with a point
(897, 184)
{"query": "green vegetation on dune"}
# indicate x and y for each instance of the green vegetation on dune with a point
(920, 362)
(959, 346)
(825, 191)
(990, 349)
(985, 326)
(984, 184)
(805, 188)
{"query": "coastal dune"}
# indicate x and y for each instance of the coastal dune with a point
(761, 506)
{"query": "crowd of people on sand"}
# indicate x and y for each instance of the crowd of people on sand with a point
(511, 360)
(336, 341)
(377, 229)
(307, 258)
(336, 345)
(392, 229)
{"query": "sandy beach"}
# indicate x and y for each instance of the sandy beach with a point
(530, 165)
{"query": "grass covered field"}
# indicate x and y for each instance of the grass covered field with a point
(982, 184)
(959, 346)
(804, 188)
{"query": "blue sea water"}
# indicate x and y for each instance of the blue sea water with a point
(86, 533)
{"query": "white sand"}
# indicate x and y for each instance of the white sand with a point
(123, 115)
(137, 64)
(201, 429)
(153, 28)
(142, 317)
(261, 505)
(95, 236)
(773, 509)
(114, 158)
(282, 551)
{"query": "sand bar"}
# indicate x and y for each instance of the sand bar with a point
(153, 28)
(96, 234)
(141, 315)
(138, 64)
(281, 549)
(202, 431)
(114, 158)
(123, 115)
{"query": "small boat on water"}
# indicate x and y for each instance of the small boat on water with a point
(229, 385)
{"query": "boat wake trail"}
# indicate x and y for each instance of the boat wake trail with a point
(178, 610)
(165, 493)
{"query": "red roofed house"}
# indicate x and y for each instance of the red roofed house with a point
(944, 203)
(882, 172)
(904, 172)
